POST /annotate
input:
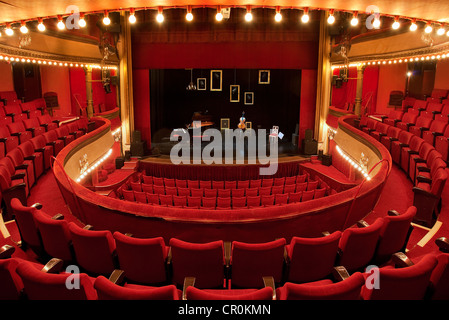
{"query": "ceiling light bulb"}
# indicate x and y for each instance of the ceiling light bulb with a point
(278, 17)
(354, 21)
(189, 16)
(106, 20)
(248, 16)
(61, 24)
(82, 22)
(23, 28)
(9, 31)
(160, 18)
(428, 29)
(41, 27)
(331, 19)
(219, 16)
(305, 18)
(413, 27)
(132, 18)
(376, 23)
(396, 25)
(441, 31)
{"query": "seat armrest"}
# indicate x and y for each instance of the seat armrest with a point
(30, 129)
(412, 152)
(423, 179)
(6, 251)
(32, 157)
(362, 224)
(39, 150)
(51, 143)
(443, 244)
(169, 257)
(227, 253)
(423, 169)
(393, 213)
(53, 266)
(423, 192)
(88, 227)
(58, 216)
(45, 125)
(37, 205)
(403, 145)
(437, 134)
(401, 260)
(340, 273)
(3, 139)
(10, 114)
(117, 277)
(18, 176)
(188, 281)
(55, 121)
(269, 282)
(419, 160)
(62, 138)
(16, 134)
(325, 233)
(436, 112)
(129, 234)
(22, 166)
(393, 139)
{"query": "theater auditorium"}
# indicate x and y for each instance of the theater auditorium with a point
(207, 150)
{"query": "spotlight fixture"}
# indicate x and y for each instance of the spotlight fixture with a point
(376, 23)
(106, 20)
(8, 30)
(160, 16)
(396, 23)
(132, 16)
(331, 18)
(61, 24)
(278, 16)
(428, 28)
(81, 21)
(441, 31)
(41, 26)
(23, 27)
(413, 26)
(189, 15)
(248, 15)
(219, 15)
(354, 20)
(305, 16)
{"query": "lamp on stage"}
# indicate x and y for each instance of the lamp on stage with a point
(191, 86)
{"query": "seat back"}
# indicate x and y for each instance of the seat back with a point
(93, 249)
(204, 261)
(193, 293)
(143, 260)
(320, 252)
(440, 279)
(252, 261)
(39, 285)
(24, 217)
(10, 280)
(409, 283)
(348, 289)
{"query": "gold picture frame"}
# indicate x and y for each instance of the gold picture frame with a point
(249, 125)
(234, 93)
(215, 80)
(224, 123)
(249, 98)
(201, 84)
(264, 76)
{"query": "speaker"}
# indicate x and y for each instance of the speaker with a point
(295, 139)
(138, 148)
(308, 136)
(119, 162)
(326, 160)
(309, 147)
(136, 136)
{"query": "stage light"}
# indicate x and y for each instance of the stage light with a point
(428, 28)
(219, 15)
(189, 15)
(41, 26)
(81, 21)
(248, 15)
(61, 24)
(160, 16)
(354, 20)
(331, 18)
(24, 28)
(132, 17)
(441, 31)
(376, 23)
(396, 23)
(413, 26)
(305, 16)
(8, 30)
(106, 20)
(278, 16)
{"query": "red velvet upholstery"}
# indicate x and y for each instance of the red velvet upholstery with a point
(408, 120)
(51, 138)
(439, 281)
(221, 193)
(204, 261)
(414, 146)
(193, 293)
(393, 117)
(47, 122)
(348, 289)
(442, 144)
(41, 146)
(370, 125)
(9, 96)
(439, 94)
(396, 146)
(11, 188)
(238, 202)
(237, 193)
(20, 162)
(194, 202)
(18, 129)
(357, 246)
(319, 193)
(39, 285)
(422, 155)
(24, 217)
(64, 134)
(180, 201)
(394, 234)
(409, 283)
(436, 128)
(251, 262)
(37, 158)
(14, 175)
(10, 280)
(430, 164)
(243, 184)
(142, 260)
(33, 125)
(381, 130)
(8, 142)
(321, 254)
(420, 105)
(55, 235)
(280, 199)
(74, 130)
(106, 290)
(16, 112)
(434, 107)
(307, 195)
(422, 124)
(93, 249)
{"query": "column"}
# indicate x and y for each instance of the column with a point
(359, 92)
(89, 98)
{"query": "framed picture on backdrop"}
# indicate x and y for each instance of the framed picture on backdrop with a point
(249, 125)
(235, 93)
(264, 76)
(215, 80)
(201, 84)
(249, 98)
(224, 123)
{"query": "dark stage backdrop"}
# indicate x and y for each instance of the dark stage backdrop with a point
(276, 103)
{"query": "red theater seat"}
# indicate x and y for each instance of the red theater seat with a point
(238, 202)
(183, 191)
(34, 127)
(18, 130)
(37, 158)
(73, 129)
(408, 120)
(422, 124)
(128, 195)
(230, 184)
(166, 200)
(8, 142)
(319, 193)
(194, 202)
(14, 111)
(312, 259)
(223, 193)
(255, 183)
(12, 186)
(64, 134)
(277, 190)
(94, 250)
(209, 202)
(204, 261)
(412, 148)
(295, 197)
(20, 163)
(357, 245)
(140, 197)
(39, 285)
(289, 188)
(142, 260)
(347, 289)
(407, 283)
(12, 285)
(442, 144)
(267, 200)
(243, 184)
(223, 202)
(381, 130)
(147, 179)
(180, 201)
(280, 199)
(193, 184)
(307, 195)
(29, 233)
(181, 183)
(267, 182)
(393, 117)
(250, 262)
(370, 125)
(397, 145)
(436, 129)
(217, 184)
(47, 122)
(211, 193)
(253, 201)
(205, 184)
(51, 139)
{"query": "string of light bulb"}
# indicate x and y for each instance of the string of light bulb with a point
(442, 28)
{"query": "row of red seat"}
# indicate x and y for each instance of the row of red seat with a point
(419, 159)
(26, 155)
(150, 262)
(20, 111)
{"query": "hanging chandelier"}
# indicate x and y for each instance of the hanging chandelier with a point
(191, 86)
